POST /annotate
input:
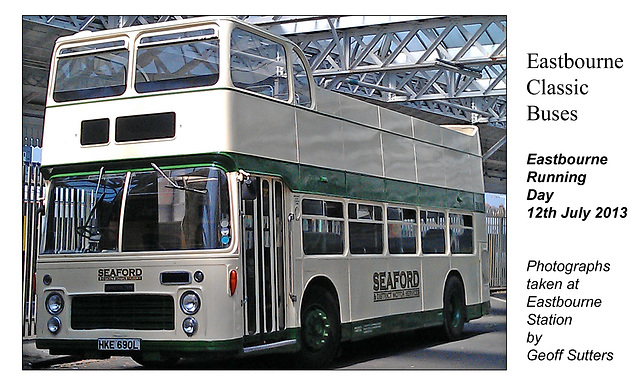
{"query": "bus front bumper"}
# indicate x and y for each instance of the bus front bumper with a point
(148, 349)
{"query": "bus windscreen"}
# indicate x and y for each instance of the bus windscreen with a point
(177, 209)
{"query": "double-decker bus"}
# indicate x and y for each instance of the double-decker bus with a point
(204, 197)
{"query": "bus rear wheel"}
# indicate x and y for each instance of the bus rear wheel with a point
(454, 311)
(320, 329)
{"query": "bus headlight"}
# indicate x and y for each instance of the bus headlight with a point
(54, 324)
(189, 326)
(190, 303)
(54, 303)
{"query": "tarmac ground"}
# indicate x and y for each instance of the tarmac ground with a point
(34, 358)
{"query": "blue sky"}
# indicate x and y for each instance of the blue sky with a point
(495, 199)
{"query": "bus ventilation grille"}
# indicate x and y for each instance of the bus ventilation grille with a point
(138, 312)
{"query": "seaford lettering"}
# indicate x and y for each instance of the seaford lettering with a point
(395, 285)
(119, 274)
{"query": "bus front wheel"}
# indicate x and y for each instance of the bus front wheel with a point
(454, 311)
(320, 329)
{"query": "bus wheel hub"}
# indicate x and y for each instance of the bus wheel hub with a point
(316, 329)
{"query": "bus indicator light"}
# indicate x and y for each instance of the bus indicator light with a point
(233, 281)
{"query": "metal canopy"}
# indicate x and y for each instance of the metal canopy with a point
(445, 69)
(453, 66)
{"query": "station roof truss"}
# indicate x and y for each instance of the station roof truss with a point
(446, 69)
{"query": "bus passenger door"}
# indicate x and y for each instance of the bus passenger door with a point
(263, 259)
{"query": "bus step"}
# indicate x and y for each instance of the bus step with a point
(264, 347)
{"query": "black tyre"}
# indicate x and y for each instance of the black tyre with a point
(454, 311)
(320, 329)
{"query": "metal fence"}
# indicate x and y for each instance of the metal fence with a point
(497, 238)
(32, 203)
(32, 194)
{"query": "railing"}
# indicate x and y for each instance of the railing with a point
(32, 195)
(497, 238)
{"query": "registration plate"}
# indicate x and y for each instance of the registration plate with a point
(118, 344)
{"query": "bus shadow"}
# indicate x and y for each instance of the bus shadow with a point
(394, 344)
(351, 352)
(357, 352)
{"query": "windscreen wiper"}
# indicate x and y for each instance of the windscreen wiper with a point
(174, 185)
(88, 231)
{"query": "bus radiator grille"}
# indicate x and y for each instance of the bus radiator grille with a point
(137, 312)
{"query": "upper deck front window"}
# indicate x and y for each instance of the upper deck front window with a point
(177, 60)
(258, 65)
(185, 58)
(301, 83)
(91, 71)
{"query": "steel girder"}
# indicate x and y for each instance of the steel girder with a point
(98, 23)
(452, 66)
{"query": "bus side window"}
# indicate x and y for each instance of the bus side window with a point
(322, 227)
(461, 233)
(432, 230)
(365, 229)
(401, 225)
(301, 83)
(258, 65)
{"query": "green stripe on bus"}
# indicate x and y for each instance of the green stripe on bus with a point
(322, 181)
(362, 329)
(300, 178)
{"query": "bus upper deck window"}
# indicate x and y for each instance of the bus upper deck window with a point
(177, 60)
(301, 83)
(258, 65)
(91, 71)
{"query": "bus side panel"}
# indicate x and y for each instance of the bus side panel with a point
(429, 162)
(481, 240)
(427, 131)
(358, 111)
(396, 122)
(405, 286)
(456, 169)
(363, 150)
(476, 180)
(365, 282)
(468, 266)
(336, 269)
(434, 273)
(317, 133)
(261, 128)
(399, 158)
(457, 140)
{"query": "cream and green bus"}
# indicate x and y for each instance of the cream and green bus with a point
(206, 198)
